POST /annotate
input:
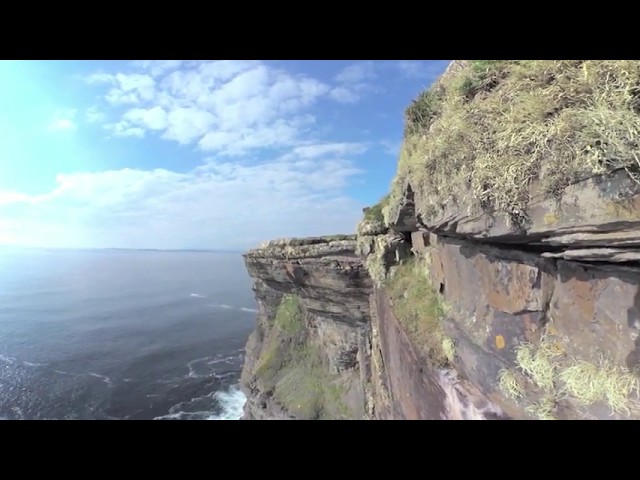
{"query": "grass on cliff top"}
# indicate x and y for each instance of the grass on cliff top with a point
(374, 212)
(419, 308)
(490, 129)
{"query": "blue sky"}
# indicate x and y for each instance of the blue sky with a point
(196, 154)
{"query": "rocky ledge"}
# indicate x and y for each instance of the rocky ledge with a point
(307, 358)
(329, 346)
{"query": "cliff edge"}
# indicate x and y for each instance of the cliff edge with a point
(499, 279)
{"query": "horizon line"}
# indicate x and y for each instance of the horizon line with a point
(213, 250)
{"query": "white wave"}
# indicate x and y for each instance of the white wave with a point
(68, 373)
(184, 416)
(33, 364)
(232, 403)
(229, 307)
(104, 378)
(12, 360)
(223, 305)
(197, 295)
(6, 359)
(208, 362)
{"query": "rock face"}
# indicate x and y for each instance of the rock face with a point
(562, 286)
(597, 219)
(344, 354)
(503, 299)
(363, 363)
(536, 311)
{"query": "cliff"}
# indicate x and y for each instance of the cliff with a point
(497, 280)
(308, 357)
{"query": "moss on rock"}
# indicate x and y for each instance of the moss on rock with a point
(292, 367)
(421, 311)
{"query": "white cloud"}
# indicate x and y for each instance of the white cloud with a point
(100, 77)
(391, 147)
(344, 95)
(62, 124)
(152, 118)
(427, 70)
(125, 89)
(237, 142)
(158, 67)
(216, 205)
(124, 129)
(229, 107)
(357, 73)
(354, 82)
(324, 149)
(13, 197)
(94, 115)
(185, 124)
(63, 120)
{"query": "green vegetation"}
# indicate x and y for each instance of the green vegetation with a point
(422, 111)
(484, 133)
(374, 212)
(307, 389)
(448, 349)
(289, 316)
(301, 382)
(420, 310)
(375, 259)
(293, 368)
(547, 369)
(482, 75)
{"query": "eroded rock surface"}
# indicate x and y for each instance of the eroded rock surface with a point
(601, 211)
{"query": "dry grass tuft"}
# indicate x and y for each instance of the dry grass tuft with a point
(509, 384)
(538, 364)
(547, 368)
(606, 383)
(544, 409)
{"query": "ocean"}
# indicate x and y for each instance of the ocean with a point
(122, 334)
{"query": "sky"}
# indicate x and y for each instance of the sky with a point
(197, 154)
